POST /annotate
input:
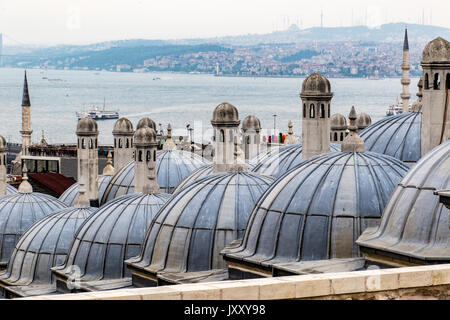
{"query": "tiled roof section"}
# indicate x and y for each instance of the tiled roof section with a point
(53, 181)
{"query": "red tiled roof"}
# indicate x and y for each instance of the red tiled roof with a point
(53, 181)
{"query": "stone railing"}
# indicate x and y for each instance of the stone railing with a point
(422, 282)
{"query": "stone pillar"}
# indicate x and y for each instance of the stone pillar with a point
(3, 150)
(145, 178)
(26, 118)
(123, 143)
(316, 98)
(251, 127)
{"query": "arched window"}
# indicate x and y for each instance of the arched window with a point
(148, 156)
(95, 143)
(91, 144)
(115, 143)
(447, 82)
(322, 110)
(248, 139)
(342, 136)
(154, 155)
(312, 112)
(437, 82)
(329, 110)
(427, 82)
(256, 139)
(120, 142)
(78, 143)
(131, 145)
(140, 155)
(304, 110)
(222, 136)
(127, 143)
(335, 136)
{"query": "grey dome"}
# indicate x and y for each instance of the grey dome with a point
(437, 50)
(115, 232)
(10, 189)
(199, 221)
(146, 122)
(70, 195)
(363, 120)
(398, 136)
(172, 166)
(414, 223)
(17, 213)
(338, 122)
(317, 210)
(316, 84)
(87, 126)
(277, 163)
(123, 126)
(225, 114)
(251, 123)
(44, 245)
(144, 136)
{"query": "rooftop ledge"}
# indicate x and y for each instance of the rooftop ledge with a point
(396, 283)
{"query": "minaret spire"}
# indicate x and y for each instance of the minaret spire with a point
(25, 95)
(352, 142)
(405, 73)
(26, 118)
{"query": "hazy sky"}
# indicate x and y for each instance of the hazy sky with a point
(87, 21)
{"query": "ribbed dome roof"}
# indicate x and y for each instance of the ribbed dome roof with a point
(317, 210)
(338, 122)
(146, 122)
(196, 224)
(10, 189)
(414, 223)
(277, 163)
(144, 136)
(172, 167)
(316, 84)
(70, 195)
(363, 120)
(251, 123)
(437, 50)
(43, 246)
(398, 136)
(225, 114)
(112, 234)
(123, 126)
(17, 213)
(87, 126)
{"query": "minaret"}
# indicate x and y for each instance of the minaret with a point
(251, 127)
(145, 178)
(26, 118)
(225, 122)
(3, 150)
(87, 154)
(352, 142)
(169, 144)
(123, 143)
(290, 139)
(316, 96)
(405, 74)
(435, 97)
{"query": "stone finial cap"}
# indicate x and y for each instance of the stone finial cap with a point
(109, 169)
(290, 139)
(82, 200)
(123, 126)
(87, 126)
(225, 114)
(169, 144)
(25, 186)
(363, 120)
(146, 122)
(338, 122)
(436, 51)
(144, 137)
(251, 123)
(353, 142)
(316, 84)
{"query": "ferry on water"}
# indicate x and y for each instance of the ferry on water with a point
(395, 109)
(98, 114)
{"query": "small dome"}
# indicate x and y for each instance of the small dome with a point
(414, 223)
(70, 195)
(316, 84)
(123, 126)
(363, 120)
(251, 123)
(172, 166)
(199, 221)
(87, 126)
(10, 189)
(114, 233)
(3, 144)
(338, 122)
(277, 163)
(17, 213)
(43, 246)
(146, 122)
(144, 136)
(437, 50)
(225, 113)
(317, 210)
(398, 136)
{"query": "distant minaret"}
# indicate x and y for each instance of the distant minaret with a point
(405, 76)
(26, 118)
(3, 150)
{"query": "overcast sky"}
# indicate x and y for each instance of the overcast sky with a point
(88, 21)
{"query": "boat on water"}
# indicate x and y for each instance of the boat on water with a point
(395, 109)
(98, 114)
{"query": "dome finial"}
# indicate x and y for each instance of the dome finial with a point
(239, 164)
(169, 144)
(290, 139)
(82, 200)
(353, 142)
(109, 169)
(25, 186)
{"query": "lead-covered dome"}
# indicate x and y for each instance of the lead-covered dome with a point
(316, 84)
(196, 224)
(44, 245)
(415, 226)
(144, 136)
(17, 213)
(123, 126)
(317, 210)
(70, 195)
(10, 189)
(338, 122)
(363, 120)
(225, 114)
(172, 167)
(146, 122)
(251, 123)
(436, 51)
(87, 126)
(279, 162)
(398, 136)
(109, 236)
